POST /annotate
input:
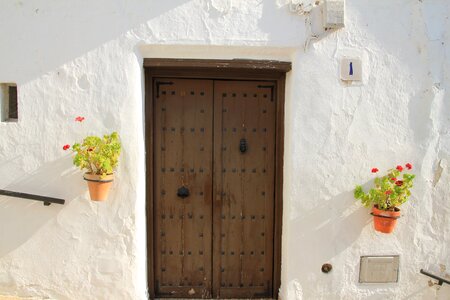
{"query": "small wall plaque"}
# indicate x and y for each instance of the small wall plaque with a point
(379, 269)
(351, 69)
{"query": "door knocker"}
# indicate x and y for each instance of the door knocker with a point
(183, 191)
(243, 145)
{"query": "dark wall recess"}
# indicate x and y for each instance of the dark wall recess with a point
(12, 113)
(8, 102)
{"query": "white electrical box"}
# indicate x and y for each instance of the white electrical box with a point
(379, 269)
(334, 14)
(351, 69)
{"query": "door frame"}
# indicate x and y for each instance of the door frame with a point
(236, 69)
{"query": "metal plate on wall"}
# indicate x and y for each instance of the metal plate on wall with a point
(379, 269)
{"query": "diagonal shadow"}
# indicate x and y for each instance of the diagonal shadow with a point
(333, 226)
(21, 218)
(53, 38)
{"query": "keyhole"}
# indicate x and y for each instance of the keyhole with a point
(351, 69)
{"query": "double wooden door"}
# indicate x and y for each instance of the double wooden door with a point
(214, 175)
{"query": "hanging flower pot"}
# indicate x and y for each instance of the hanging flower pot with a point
(99, 186)
(389, 193)
(385, 220)
(99, 156)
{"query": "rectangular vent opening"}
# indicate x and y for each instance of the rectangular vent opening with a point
(8, 101)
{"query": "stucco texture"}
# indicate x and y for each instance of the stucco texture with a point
(84, 58)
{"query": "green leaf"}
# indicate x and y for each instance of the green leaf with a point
(377, 195)
(98, 155)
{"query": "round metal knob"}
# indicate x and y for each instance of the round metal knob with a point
(183, 192)
(326, 268)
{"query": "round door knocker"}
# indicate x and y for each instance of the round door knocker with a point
(183, 192)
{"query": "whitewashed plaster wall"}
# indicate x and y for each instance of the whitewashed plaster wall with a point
(84, 57)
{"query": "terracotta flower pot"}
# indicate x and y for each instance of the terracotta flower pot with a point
(99, 186)
(385, 221)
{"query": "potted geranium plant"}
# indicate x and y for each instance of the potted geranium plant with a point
(389, 193)
(99, 157)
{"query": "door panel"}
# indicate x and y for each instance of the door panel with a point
(244, 188)
(218, 241)
(183, 158)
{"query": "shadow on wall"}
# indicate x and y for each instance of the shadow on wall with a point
(57, 38)
(21, 218)
(334, 225)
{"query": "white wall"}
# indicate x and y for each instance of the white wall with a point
(73, 58)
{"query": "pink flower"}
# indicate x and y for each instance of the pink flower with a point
(388, 192)
(393, 179)
(400, 168)
(399, 182)
(408, 166)
(65, 147)
(79, 119)
(374, 170)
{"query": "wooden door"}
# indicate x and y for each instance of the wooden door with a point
(244, 158)
(214, 176)
(183, 138)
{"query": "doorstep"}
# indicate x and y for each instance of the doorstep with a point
(18, 298)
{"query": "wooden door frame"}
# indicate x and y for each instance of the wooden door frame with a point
(216, 69)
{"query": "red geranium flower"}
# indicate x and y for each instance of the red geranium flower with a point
(399, 182)
(65, 147)
(374, 170)
(393, 179)
(400, 168)
(408, 166)
(79, 119)
(388, 192)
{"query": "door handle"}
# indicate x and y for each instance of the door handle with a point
(243, 145)
(183, 192)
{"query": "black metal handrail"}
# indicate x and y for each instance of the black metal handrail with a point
(438, 278)
(47, 200)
